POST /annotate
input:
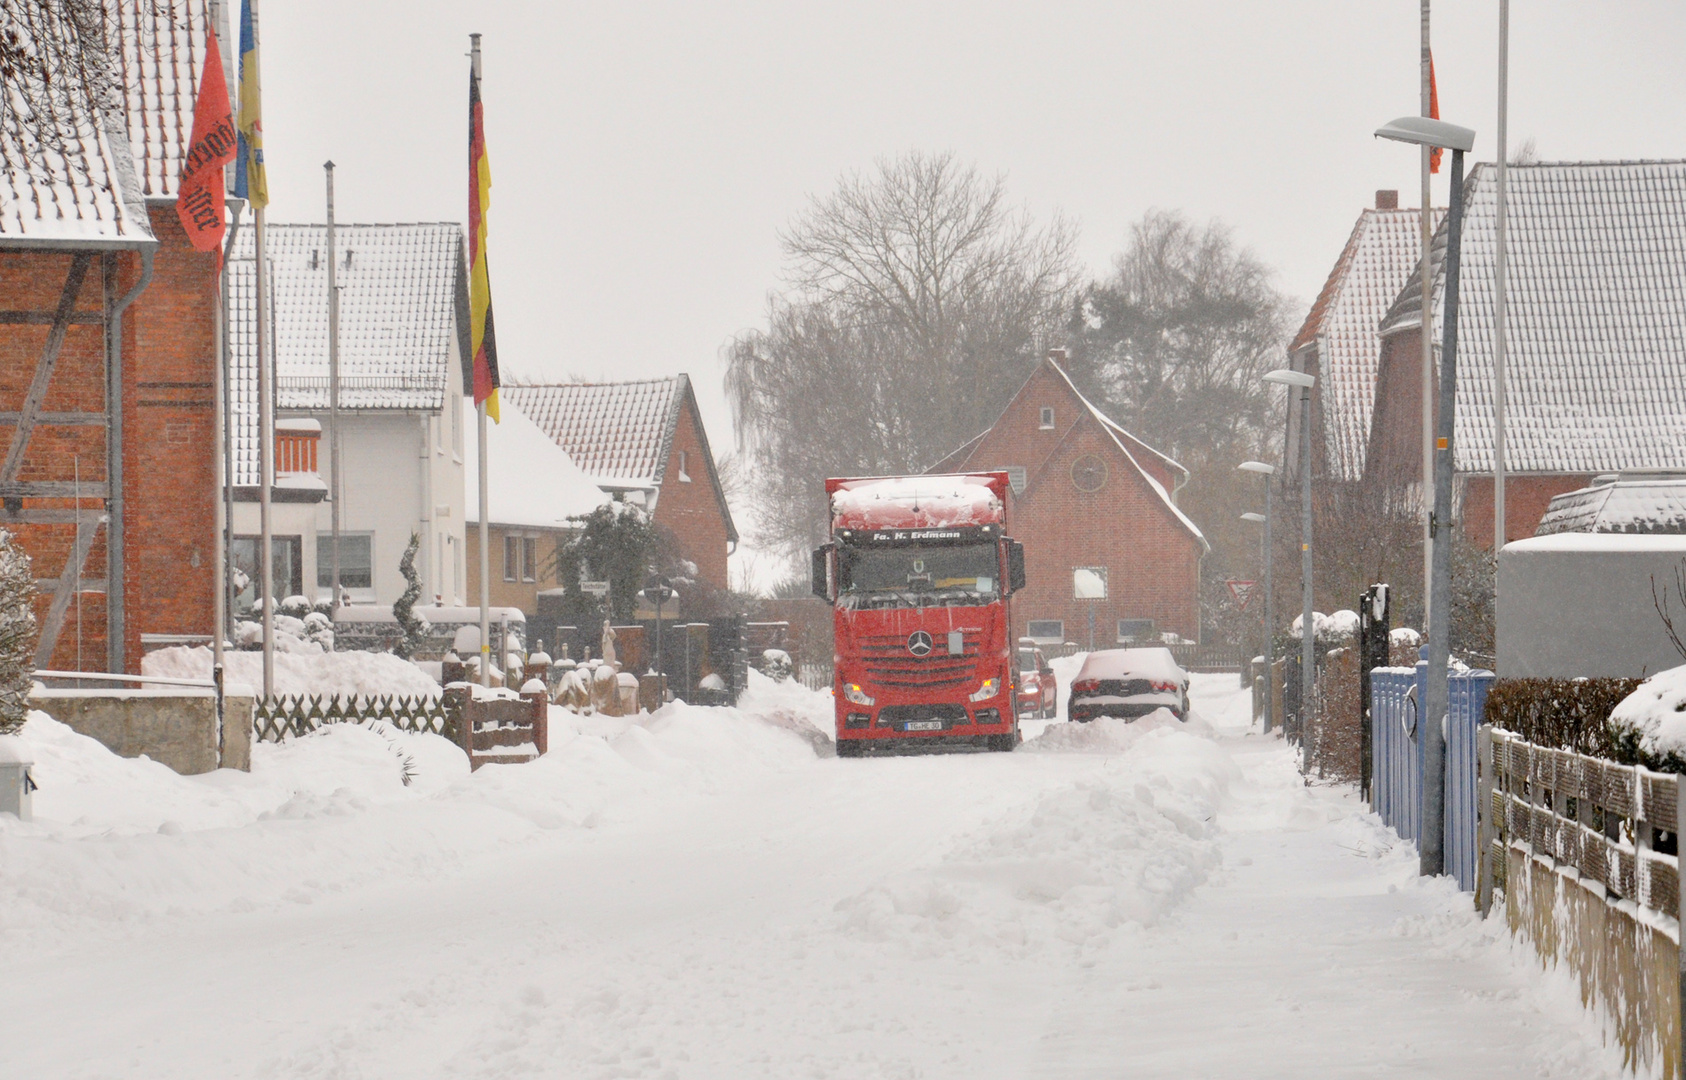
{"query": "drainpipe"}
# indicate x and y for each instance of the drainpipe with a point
(115, 661)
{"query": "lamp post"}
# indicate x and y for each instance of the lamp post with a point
(1266, 471)
(1423, 131)
(1308, 660)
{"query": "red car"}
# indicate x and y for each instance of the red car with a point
(1039, 691)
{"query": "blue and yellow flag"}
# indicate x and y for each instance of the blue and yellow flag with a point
(250, 183)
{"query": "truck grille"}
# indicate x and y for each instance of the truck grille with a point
(886, 662)
(896, 717)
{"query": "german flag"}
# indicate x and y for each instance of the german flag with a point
(484, 342)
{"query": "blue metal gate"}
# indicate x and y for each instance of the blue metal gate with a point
(1396, 695)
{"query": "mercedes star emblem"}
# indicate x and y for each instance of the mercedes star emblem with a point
(919, 643)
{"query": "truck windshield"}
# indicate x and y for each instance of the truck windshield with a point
(915, 576)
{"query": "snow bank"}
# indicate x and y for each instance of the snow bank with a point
(1656, 713)
(1110, 734)
(343, 673)
(356, 805)
(1071, 870)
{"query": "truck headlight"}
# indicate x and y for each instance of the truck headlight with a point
(989, 689)
(853, 692)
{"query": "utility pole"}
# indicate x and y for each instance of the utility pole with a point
(1499, 224)
(334, 489)
(1426, 270)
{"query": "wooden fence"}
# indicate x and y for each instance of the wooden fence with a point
(502, 730)
(1585, 853)
(273, 719)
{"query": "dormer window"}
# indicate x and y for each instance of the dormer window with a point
(1047, 417)
(684, 476)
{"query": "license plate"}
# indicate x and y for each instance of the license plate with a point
(924, 725)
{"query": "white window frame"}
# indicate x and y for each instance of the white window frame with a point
(1033, 635)
(324, 557)
(1047, 422)
(684, 476)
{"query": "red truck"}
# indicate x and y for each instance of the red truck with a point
(918, 572)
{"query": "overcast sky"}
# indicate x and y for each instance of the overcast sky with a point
(644, 156)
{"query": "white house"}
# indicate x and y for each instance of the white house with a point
(400, 423)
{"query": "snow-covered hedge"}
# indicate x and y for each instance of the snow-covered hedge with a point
(1649, 725)
(1568, 714)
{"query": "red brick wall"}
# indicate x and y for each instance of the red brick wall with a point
(168, 368)
(1526, 500)
(691, 510)
(1152, 560)
(169, 440)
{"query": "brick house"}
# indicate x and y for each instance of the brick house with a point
(643, 441)
(107, 337)
(1109, 558)
(1340, 343)
(1596, 343)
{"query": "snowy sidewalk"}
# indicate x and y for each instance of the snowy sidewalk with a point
(703, 896)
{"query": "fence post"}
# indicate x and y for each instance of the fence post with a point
(1484, 816)
(1679, 828)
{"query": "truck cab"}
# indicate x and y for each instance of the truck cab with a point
(919, 572)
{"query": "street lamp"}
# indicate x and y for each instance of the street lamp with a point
(1305, 381)
(1266, 471)
(1423, 131)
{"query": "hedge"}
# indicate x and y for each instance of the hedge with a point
(1571, 714)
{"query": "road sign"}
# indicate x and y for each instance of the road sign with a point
(1242, 591)
(595, 588)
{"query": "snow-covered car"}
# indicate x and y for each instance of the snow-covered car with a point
(1129, 683)
(1039, 691)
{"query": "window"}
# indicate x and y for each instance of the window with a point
(1135, 630)
(289, 579)
(520, 558)
(1016, 478)
(357, 562)
(1088, 583)
(1048, 631)
(684, 476)
(1047, 417)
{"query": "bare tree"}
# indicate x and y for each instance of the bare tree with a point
(916, 302)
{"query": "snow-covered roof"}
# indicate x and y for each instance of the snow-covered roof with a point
(1379, 256)
(161, 56)
(398, 331)
(530, 480)
(66, 175)
(1596, 343)
(1620, 504)
(619, 433)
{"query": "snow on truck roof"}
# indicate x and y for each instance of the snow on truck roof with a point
(916, 502)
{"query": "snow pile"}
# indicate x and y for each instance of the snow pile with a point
(1110, 734)
(345, 673)
(1341, 628)
(1072, 870)
(1654, 715)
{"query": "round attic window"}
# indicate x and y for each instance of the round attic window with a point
(1088, 473)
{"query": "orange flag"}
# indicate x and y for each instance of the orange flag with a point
(1433, 111)
(199, 194)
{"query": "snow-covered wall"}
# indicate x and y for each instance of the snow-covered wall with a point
(1580, 604)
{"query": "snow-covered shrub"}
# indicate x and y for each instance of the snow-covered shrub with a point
(1568, 714)
(295, 606)
(775, 664)
(17, 633)
(1649, 725)
(414, 627)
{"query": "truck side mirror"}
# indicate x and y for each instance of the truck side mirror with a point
(824, 573)
(1015, 566)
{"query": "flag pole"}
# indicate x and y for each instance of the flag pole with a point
(485, 531)
(334, 492)
(1499, 224)
(266, 406)
(1426, 271)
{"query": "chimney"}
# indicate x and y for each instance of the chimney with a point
(1387, 200)
(1057, 355)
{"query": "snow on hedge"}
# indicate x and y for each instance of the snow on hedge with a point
(1655, 714)
(343, 673)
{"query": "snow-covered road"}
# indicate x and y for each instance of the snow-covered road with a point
(708, 896)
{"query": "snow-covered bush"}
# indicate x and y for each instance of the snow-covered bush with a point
(775, 664)
(1649, 725)
(413, 626)
(17, 633)
(1567, 714)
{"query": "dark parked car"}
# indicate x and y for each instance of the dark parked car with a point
(1129, 683)
(1039, 691)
